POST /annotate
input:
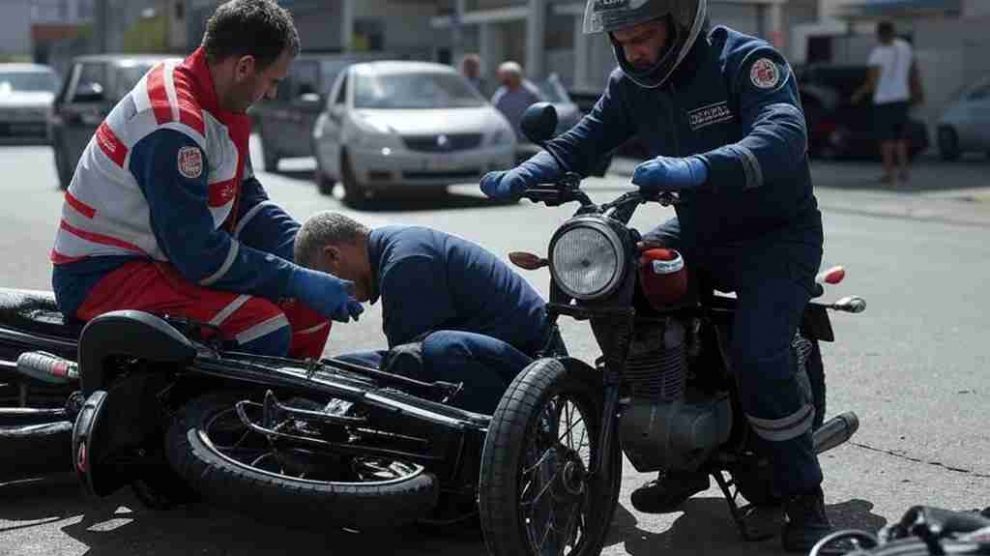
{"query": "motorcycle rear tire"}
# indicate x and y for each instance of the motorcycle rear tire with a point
(515, 416)
(284, 499)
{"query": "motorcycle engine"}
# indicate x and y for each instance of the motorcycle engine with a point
(664, 424)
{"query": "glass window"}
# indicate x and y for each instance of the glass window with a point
(414, 90)
(126, 76)
(305, 76)
(342, 92)
(981, 91)
(92, 78)
(37, 81)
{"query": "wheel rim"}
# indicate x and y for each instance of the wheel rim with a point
(554, 491)
(229, 438)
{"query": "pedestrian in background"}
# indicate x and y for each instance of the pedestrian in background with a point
(514, 95)
(893, 80)
(471, 70)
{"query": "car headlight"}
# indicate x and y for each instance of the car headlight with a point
(587, 259)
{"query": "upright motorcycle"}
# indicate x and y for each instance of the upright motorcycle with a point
(662, 391)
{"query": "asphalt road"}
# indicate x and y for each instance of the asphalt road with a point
(913, 366)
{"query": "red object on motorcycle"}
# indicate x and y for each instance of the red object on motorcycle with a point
(832, 276)
(663, 277)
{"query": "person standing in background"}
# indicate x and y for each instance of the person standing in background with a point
(471, 70)
(893, 80)
(515, 94)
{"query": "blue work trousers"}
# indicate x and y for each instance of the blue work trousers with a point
(773, 278)
(484, 364)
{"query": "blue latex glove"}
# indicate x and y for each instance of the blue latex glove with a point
(540, 168)
(665, 173)
(324, 293)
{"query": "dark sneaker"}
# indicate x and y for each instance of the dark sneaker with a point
(668, 491)
(806, 521)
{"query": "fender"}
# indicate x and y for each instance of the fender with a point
(121, 414)
(130, 334)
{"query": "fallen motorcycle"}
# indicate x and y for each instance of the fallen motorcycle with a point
(161, 405)
(661, 392)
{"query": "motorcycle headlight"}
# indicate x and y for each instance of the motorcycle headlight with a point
(587, 260)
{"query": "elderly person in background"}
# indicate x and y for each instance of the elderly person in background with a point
(471, 70)
(514, 95)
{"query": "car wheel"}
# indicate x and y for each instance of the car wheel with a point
(948, 143)
(270, 160)
(324, 183)
(355, 192)
(61, 165)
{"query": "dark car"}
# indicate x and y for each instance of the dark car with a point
(92, 87)
(285, 124)
(836, 127)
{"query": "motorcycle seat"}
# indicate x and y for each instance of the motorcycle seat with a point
(34, 312)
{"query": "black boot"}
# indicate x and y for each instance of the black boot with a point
(668, 491)
(806, 521)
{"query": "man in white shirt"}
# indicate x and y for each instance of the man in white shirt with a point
(891, 71)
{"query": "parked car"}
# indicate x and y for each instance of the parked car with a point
(285, 124)
(26, 95)
(836, 127)
(965, 123)
(93, 85)
(407, 125)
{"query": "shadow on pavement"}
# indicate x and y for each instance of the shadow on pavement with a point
(41, 511)
(707, 528)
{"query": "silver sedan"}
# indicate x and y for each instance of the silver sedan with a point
(965, 123)
(406, 125)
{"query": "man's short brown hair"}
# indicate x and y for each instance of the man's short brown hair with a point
(259, 28)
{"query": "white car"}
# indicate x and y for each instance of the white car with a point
(406, 125)
(965, 123)
(26, 95)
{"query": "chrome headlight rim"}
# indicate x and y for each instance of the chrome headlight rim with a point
(614, 240)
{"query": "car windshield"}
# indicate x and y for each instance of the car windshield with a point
(128, 76)
(414, 90)
(33, 81)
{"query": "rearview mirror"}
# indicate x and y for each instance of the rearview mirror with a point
(539, 121)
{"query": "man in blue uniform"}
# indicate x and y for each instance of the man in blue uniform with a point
(720, 112)
(478, 322)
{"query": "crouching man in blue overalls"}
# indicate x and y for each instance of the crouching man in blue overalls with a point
(720, 112)
(474, 319)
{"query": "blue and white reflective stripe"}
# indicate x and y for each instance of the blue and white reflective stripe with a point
(251, 214)
(785, 428)
(227, 263)
(312, 329)
(260, 330)
(233, 306)
(751, 166)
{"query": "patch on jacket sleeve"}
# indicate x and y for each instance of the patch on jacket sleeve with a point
(191, 162)
(764, 74)
(710, 114)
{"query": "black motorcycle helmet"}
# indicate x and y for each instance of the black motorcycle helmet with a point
(686, 19)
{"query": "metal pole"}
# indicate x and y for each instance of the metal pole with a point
(535, 31)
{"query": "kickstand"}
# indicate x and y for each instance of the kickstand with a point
(739, 514)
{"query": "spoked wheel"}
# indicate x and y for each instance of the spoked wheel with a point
(540, 491)
(292, 481)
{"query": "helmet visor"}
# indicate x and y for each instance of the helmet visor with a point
(605, 16)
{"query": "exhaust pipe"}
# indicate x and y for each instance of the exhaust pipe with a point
(835, 432)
